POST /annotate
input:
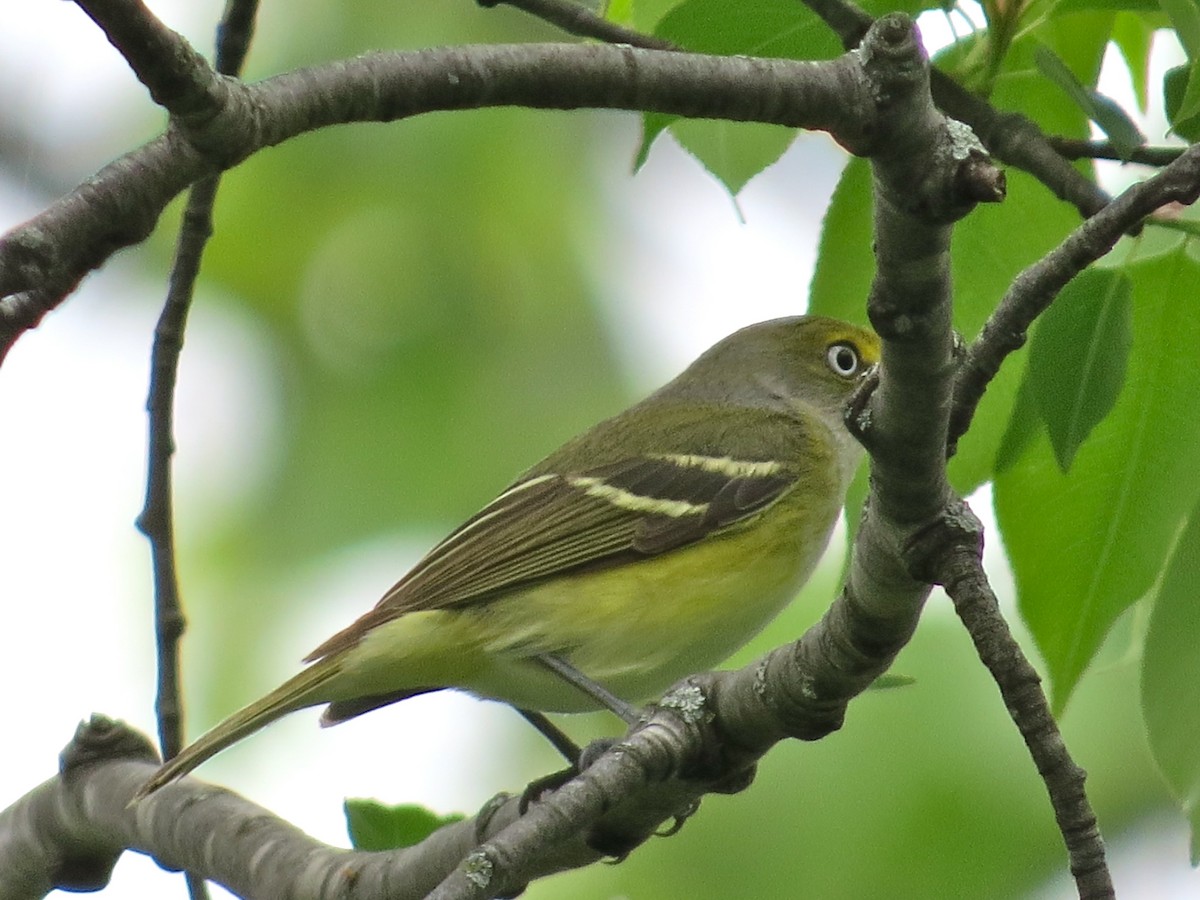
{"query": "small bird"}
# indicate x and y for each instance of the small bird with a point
(651, 546)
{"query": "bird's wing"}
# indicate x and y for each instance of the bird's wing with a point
(552, 523)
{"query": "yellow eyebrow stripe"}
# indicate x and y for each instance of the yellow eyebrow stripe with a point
(722, 465)
(601, 490)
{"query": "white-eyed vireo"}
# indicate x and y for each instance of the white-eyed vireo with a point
(649, 547)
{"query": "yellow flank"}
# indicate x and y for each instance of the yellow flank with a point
(602, 490)
(636, 628)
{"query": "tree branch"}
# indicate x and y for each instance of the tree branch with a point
(44, 259)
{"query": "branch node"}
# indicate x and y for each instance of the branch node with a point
(893, 58)
(928, 548)
(103, 739)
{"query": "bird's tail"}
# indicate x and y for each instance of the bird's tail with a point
(295, 693)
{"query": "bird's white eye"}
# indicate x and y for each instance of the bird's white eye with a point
(843, 359)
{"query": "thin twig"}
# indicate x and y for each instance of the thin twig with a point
(1035, 289)
(582, 22)
(1074, 148)
(157, 518)
(966, 583)
(175, 74)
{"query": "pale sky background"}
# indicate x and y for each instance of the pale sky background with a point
(71, 404)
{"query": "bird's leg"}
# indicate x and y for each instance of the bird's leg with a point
(629, 713)
(555, 735)
(577, 759)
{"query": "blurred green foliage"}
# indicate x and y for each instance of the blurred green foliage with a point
(425, 303)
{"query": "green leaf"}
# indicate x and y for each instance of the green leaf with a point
(1178, 224)
(619, 11)
(1185, 19)
(1179, 87)
(1086, 545)
(1023, 426)
(845, 264)
(1056, 70)
(648, 13)
(1074, 6)
(1134, 37)
(856, 498)
(735, 152)
(891, 681)
(376, 826)
(653, 124)
(1171, 677)
(1189, 106)
(1112, 119)
(778, 29)
(1078, 355)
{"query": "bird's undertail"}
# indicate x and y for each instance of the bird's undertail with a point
(295, 693)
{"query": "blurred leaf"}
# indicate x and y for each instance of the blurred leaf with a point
(1134, 36)
(1056, 70)
(376, 826)
(1189, 105)
(619, 11)
(879, 8)
(1185, 19)
(1181, 225)
(1086, 545)
(845, 265)
(648, 13)
(890, 681)
(1113, 121)
(1178, 84)
(735, 152)
(1171, 676)
(1078, 356)
(856, 497)
(776, 29)
(1080, 40)
(1073, 6)
(1023, 426)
